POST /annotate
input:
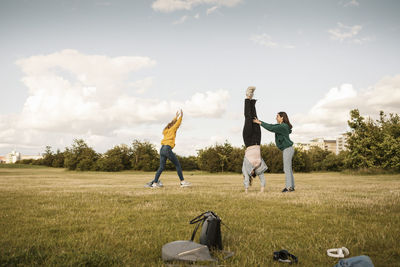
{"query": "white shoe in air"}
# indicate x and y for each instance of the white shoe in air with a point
(250, 91)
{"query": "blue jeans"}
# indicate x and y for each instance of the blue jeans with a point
(166, 153)
(287, 166)
(358, 261)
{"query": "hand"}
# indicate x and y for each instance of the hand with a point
(255, 120)
(181, 113)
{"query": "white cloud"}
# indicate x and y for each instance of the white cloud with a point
(142, 86)
(211, 10)
(362, 40)
(328, 117)
(266, 40)
(181, 20)
(73, 94)
(351, 3)
(342, 33)
(174, 5)
(210, 104)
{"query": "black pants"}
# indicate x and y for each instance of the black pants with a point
(251, 130)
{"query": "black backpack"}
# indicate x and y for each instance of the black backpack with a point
(211, 230)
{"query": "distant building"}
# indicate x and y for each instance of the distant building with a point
(35, 157)
(328, 145)
(341, 143)
(334, 146)
(13, 157)
(302, 146)
(319, 142)
(16, 156)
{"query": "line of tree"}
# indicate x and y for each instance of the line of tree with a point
(370, 145)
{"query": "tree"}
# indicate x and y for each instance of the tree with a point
(80, 156)
(333, 162)
(144, 156)
(58, 160)
(317, 156)
(109, 164)
(48, 157)
(235, 159)
(208, 159)
(390, 145)
(272, 156)
(216, 158)
(301, 161)
(122, 154)
(373, 144)
(188, 163)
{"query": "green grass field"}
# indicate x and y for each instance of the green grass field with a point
(55, 217)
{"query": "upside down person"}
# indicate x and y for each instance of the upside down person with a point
(253, 164)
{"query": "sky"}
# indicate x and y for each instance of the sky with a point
(110, 72)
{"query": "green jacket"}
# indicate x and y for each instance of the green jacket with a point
(282, 132)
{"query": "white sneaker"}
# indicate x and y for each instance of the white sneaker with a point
(149, 184)
(250, 91)
(156, 185)
(185, 184)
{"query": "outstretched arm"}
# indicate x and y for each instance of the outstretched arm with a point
(179, 120)
(276, 128)
(255, 120)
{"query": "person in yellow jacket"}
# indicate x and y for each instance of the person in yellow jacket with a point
(167, 144)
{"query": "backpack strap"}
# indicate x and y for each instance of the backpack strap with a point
(195, 230)
(199, 220)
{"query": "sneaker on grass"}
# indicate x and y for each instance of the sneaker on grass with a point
(185, 184)
(156, 185)
(285, 190)
(149, 184)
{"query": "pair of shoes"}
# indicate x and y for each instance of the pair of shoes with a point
(290, 189)
(185, 184)
(250, 91)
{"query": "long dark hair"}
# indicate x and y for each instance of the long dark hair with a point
(285, 118)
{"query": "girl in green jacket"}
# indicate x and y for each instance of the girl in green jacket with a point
(282, 130)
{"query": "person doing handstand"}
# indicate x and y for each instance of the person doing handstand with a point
(253, 164)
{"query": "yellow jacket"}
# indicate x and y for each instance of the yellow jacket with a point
(170, 134)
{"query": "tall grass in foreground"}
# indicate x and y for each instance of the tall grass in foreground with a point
(55, 217)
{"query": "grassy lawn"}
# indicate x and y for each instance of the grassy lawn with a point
(56, 217)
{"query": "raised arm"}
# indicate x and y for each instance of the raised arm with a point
(179, 120)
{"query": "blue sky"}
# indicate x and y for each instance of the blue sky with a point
(114, 71)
